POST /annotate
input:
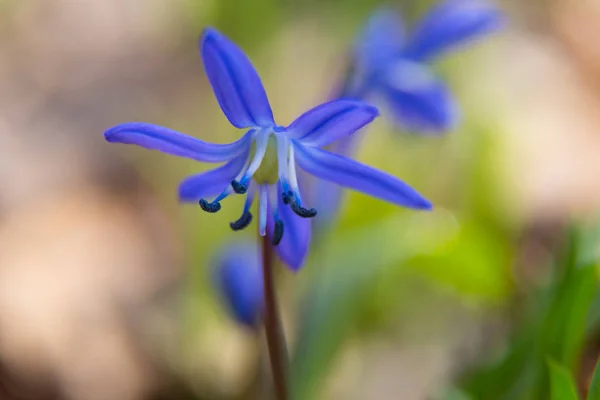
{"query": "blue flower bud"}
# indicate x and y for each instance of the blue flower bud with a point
(238, 276)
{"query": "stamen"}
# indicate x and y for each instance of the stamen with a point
(262, 141)
(242, 222)
(295, 204)
(239, 187)
(235, 183)
(287, 197)
(278, 234)
(209, 207)
(214, 205)
(303, 212)
(278, 226)
(292, 171)
(292, 197)
(246, 217)
(262, 210)
(283, 149)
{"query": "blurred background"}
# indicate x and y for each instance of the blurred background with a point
(106, 289)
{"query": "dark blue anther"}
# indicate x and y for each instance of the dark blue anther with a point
(303, 212)
(278, 234)
(209, 207)
(287, 197)
(243, 222)
(238, 187)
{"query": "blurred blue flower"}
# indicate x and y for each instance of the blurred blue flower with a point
(263, 161)
(389, 64)
(238, 278)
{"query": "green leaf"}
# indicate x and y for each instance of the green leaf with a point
(554, 326)
(454, 394)
(563, 333)
(475, 264)
(328, 313)
(346, 280)
(594, 391)
(562, 386)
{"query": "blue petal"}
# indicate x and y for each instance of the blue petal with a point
(168, 141)
(419, 101)
(294, 245)
(211, 183)
(239, 280)
(236, 83)
(451, 24)
(381, 39)
(331, 121)
(353, 175)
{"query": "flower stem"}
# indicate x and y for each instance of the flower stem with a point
(273, 329)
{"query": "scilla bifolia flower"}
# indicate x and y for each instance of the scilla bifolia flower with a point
(394, 66)
(238, 278)
(263, 162)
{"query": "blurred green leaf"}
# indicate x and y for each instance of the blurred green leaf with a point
(474, 263)
(563, 333)
(249, 22)
(561, 383)
(245, 22)
(348, 275)
(513, 377)
(328, 314)
(555, 326)
(454, 394)
(589, 241)
(589, 254)
(594, 390)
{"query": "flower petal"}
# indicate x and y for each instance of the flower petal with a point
(451, 24)
(354, 175)
(211, 183)
(381, 39)
(294, 245)
(419, 101)
(379, 42)
(238, 276)
(168, 141)
(236, 83)
(331, 121)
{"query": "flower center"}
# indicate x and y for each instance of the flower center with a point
(267, 172)
(270, 162)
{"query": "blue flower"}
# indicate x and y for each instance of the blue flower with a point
(238, 277)
(263, 162)
(389, 64)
